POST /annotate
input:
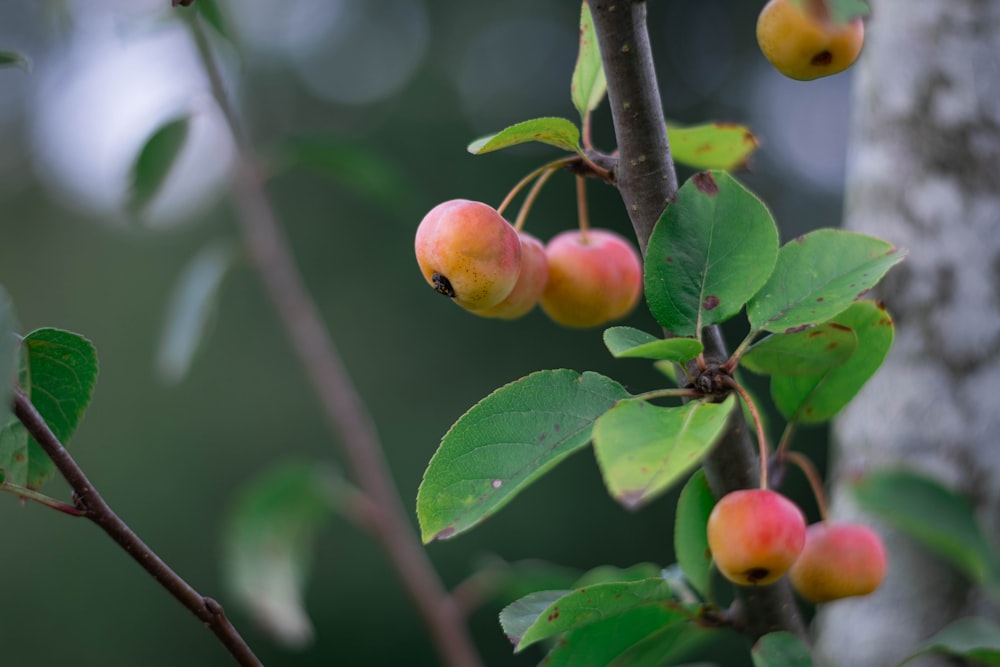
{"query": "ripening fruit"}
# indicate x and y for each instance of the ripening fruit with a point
(594, 277)
(755, 536)
(467, 251)
(530, 282)
(839, 560)
(804, 43)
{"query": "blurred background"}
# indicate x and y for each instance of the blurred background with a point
(397, 88)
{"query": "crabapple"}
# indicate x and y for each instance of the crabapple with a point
(530, 282)
(755, 535)
(469, 252)
(839, 560)
(803, 42)
(595, 276)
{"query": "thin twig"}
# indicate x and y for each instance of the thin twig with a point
(42, 499)
(346, 413)
(97, 510)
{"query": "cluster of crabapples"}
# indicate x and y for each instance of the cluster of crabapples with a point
(758, 535)
(581, 278)
(803, 41)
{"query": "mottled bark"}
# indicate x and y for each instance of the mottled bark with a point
(924, 173)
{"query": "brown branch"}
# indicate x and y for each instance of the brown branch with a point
(647, 182)
(346, 413)
(97, 510)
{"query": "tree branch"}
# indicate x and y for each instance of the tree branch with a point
(346, 413)
(97, 510)
(647, 181)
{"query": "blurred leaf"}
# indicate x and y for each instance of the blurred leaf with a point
(506, 441)
(690, 532)
(711, 146)
(268, 546)
(557, 132)
(809, 352)
(781, 649)
(13, 449)
(939, 518)
(817, 398)
(601, 643)
(14, 59)
(710, 251)
(588, 86)
(153, 163)
(9, 345)
(817, 276)
(973, 638)
(59, 378)
(629, 342)
(643, 449)
(664, 647)
(210, 11)
(528, 621)
(192, 306)
(502, 581)
(603, 574)
(354, 165)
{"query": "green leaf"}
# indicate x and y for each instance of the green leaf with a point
(210, 11)
(817, 276)
(192, 307)
(602, 643)
(153, 163)
(268, 546)
(527, 621)
(690, 533)
(973, 638)
(817, 398)
(506, 441)
(643, 449)
(940, 519)
(13, 449)
(8, 352)
(355, 166)
(14, 59)
(588, 86)
(710, 251)
(557, 132)
(780, 649)
(633, 343)
(603, 574)
(673, 642)
(712, 145)
(812, 351)
(60, 374)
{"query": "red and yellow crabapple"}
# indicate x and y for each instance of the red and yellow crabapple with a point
(469, 252)
(839, 560)
(803, 42)
(595, 276)
(530, 282)
(755, 536)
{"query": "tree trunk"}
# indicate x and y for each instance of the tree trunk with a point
(924, 173)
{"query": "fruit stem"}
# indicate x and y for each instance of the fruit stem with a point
(529, 199)
(786, 439)
(734, 358)
(556, 164)
(758, 424)
(583, 215)
(30, 494)
(807, 467)
(668, 393)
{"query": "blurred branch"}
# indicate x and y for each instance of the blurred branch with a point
(90, 503)
(647, 182)
(346, 413)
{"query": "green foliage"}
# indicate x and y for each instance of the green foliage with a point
(191, 309)
(626, 342)
(14, 59)
(8, 352)
(781, 649)
(153, 163)
(711, 145)
(643, 449)
(58, 373)
(690, 534)
(812, 351)
(973, 638)
(557, 132)
(505, 442)
(711, 250)
(817, 398)
(268, 545)
(588, 85)
(819, 275)
(940, 519)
